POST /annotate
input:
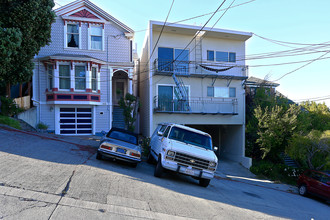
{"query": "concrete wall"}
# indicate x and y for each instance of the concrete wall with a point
(29, 116)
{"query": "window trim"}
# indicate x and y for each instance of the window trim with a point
(66, 35)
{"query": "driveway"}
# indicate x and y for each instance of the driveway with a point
(54, 177)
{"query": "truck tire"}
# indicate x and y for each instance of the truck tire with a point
(158, 169)
(204, 182)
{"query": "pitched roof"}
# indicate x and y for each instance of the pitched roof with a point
(256, 81)
(71, 11)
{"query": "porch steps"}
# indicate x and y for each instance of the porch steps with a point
(118, 117)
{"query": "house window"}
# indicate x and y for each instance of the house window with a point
(221, 56)
(221, 92)
(72, 35)
(94, 79)
(170, 98)
(210, 55)
(64, 76)
(96, 38)
(80, 77)
(50, 76)
(170, 59)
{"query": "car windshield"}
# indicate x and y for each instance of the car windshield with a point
(122, 136)
(191, 137)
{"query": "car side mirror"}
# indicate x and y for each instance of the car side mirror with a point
(160, 133)
(215, 148)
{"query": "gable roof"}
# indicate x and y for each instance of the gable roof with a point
(88, 10)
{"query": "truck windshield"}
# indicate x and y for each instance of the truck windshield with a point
(191, 137)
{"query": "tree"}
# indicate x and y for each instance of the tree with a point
(129, 105)
(25, 27)
(276, 127)
(311, 151)
(263, 98)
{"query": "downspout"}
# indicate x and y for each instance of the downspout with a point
(39, 90)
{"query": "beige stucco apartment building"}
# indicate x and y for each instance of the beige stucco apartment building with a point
(195, 78)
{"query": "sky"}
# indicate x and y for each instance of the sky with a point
(303, 25)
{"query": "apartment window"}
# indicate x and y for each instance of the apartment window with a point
(210, 55)
(64, 76)
(221, 92)
(166, 57)
(170, 98)
(80, 77)
(96, 38)
(72, 35)
(50, 73)
(94, 79)
(221, 56)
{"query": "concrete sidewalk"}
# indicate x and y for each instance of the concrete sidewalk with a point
(233, 171)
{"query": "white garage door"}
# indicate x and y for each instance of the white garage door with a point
(75, 121)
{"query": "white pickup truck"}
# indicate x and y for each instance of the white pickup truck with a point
(183, 150)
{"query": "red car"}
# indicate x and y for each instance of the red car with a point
(315, 182)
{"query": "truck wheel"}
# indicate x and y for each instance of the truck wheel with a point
(98, 156)
(158, 169)
(204, 182)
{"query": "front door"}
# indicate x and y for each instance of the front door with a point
(119, 90)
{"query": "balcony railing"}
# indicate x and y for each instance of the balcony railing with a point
(197, 105)
(162, 66)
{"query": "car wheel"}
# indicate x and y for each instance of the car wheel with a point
(98, 156)
(204, 182)
(150, 159)
(158, 169)
(302, 190)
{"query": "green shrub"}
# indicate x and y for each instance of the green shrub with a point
(42, 126)
(10, 122)
(145, 145)
(9, 107)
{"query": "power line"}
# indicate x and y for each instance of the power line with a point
(302, 66)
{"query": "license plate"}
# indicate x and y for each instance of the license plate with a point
(121, 150)
(189, 172)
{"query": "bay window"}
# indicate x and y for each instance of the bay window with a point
(64, 76)
(50, 76)
(94, 78)
(80, 78)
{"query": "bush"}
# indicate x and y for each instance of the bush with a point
(10, 122)
(9, 107)
(276, 172)
(42, 126)
(145, 145)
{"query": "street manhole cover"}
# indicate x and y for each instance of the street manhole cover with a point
(252, 194)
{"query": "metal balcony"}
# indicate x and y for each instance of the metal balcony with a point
(205, 68)
(197, 105)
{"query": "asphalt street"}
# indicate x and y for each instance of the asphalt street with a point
(45, 176)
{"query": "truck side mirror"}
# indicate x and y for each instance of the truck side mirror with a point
(215, 148)
(159, 133)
